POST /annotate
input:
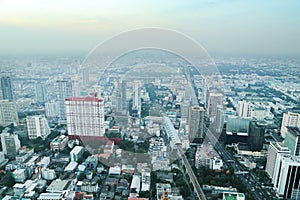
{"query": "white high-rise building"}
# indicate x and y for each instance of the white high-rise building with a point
(214, 100)
(64, 89)
(121, 101)
(287, 178)
(244, 109)
(40, 93)
(10, 144)
(289, 119)
(85, 116)
(220, 119)
(51, 109)
(276, 150)
(137, 103)
(8, 113)
(37, 126)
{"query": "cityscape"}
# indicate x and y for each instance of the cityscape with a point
(149, 114)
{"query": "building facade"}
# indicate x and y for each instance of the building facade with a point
(8, 113)
(289, 119)
(196, 124)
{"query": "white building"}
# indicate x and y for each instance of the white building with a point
(76, 153)
(59, 143)
(276, 150)
(48, 174)
(289, 119)
(85, 116)
(51, 109)
(146, 179)
(135, 186)
(37, 126)
(137, 103)
(244, 109)
(8, 113)
(10, 144)
(20, 175)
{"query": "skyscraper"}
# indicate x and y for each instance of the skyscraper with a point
(37, 126)
(10, 144)
(196, 124)
(8, 113)
(220, 119)
(292, 140)
(7, 86)
(276, 150)
(289, 119)
(40, 93)
(64, 89)
(121, 101)
(85, 116)
(51, 109)
(214, 100)
(244, 109)
(137, 103)
(256, 136)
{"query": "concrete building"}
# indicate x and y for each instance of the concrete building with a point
(7, 86)
(85, 116)
(214, 100)
(256, 136)
(196, 124)
(220, 119)
(51, 109)
(292, 140)
(136, 95)
(121, 101)
(8, 113)
(76, 153)
(20, 175)
(244, 109)
(291, 118)
(64, 89)
(40, 93)
(37, 126)
(276, 150)
(10, 144)
(59, 143)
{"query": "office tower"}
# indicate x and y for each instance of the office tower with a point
(137, 103)
(85, 116)
(51, 109)
(289, 119)
(40, 93)
(275, 151)
(237, 129)
(196, 124)
(287, 178)
(214, 100)
(292, 140)
(7, 86)
(10, 144)
(244, 109)
(256, 136)
(85, 76)
(37, 126)
(121, 102)
(184, 110)
(220, 118)
(64, 89)
(8, 113)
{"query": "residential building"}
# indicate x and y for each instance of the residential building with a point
(8, 113)
(37, 126)
(7, 86)
(292, 119)
(196, 124)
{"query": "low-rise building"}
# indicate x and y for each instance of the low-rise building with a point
(59, 143)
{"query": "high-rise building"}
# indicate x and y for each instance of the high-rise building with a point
(8, 113)
(137, 103)
(85, 116)
(64, 89)
(292, 140)
(10, 144)
(51, 109)
(40, 93)
(244, 109)
(184, 110)
(121, 102)
(256, 136)
(37, 126)
(220, 119)
(237, 129)
(196, 124)
(289, 119)
(214, 100)
(287, 178)
(276, 150)
(7, 86)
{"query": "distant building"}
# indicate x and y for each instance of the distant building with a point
(8, 113)
(10, 144)
(59, 143)
(37, 126)
(244, 109)
(276, 150)
(291, 118)
(292, 140)
(137, 102)
(64, 90)
(184, 110)
(51, 109)
(40, 93)
(214, 100)
(7, 86)
(121, 101)
(85, 116)
(220, 119)
(237, 129)
(256, 136)
(196, 124)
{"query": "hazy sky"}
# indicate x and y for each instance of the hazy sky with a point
(225, 26)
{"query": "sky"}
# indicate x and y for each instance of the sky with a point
(233, 27)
